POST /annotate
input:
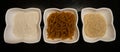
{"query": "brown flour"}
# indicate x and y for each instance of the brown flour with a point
(94, 25)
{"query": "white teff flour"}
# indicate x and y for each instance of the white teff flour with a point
(26, 24)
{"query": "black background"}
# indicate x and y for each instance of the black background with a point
(77, 4)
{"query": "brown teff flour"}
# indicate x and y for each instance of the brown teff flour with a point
(94, 25)
(61, 25)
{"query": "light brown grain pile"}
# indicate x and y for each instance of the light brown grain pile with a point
(94, 25)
